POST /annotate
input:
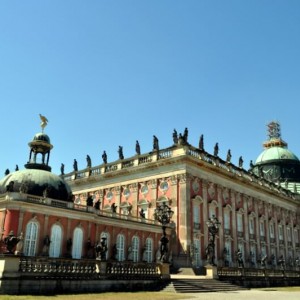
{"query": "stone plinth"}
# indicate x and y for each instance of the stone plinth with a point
(211, 272)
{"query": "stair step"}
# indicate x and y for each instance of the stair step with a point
(199, 286)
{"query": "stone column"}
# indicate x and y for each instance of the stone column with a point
(221, 228)
(184, 212)
(246, 223)
(204, 212)
(234, 225)
(257, 227)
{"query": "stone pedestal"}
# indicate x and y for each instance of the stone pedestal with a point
(165, 270)
(211, 272)
(9, 266)
(101, 267)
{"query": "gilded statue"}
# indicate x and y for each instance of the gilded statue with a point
(44, 122)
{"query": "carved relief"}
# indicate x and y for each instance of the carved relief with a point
(211, 189)
(134, 187)
(182, 178)
(152, 183)
(225, 195)
(250, 204)
(196, 186)
(173, 180)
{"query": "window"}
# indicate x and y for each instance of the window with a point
(226, 219)
(289, 235)
(196, 217)
(272, 235)
(240, 223)
(280, 232)
(296, 238)
(77, 243)
(120, 247)
(197, 251)
(228, 249)
(251, 226)
(212, 212)
(56, 238)
(135, 248)
(148, 251)
(262, 228)
(30, 239)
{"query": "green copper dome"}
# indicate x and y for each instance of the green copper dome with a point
(36, 182)
(275, 153)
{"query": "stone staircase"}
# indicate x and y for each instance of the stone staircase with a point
(197, 285)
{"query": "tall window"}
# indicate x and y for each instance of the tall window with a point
(56, 238)
(272, 234)
(212, 211)
(120, 247)
(288, 233)
(228, 249)
(252, 256)
(149, 250)
(77, 243)
(196, 216)
(135, 248)
(240, 222)
(296, 237)
(226, 219)
(251, 226)
(280, 233)
(197, 251)
(30, 239)
(241, 248)
(262, 228)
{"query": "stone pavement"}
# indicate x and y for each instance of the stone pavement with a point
(244, 295)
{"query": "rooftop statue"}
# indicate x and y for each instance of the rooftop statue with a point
(201, 143)
(88, 161)
(185, 135)
(228, 158)
(241, 161)
(44, 122)
(120, 151)
(104, 157)
(137, 148)
(175, 137)
(216, 149)
(75, 165)
(155, 143)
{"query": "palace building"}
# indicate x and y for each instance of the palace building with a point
(67, 215)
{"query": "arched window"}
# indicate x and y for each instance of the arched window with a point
(30, 239)
(228, 251)
(240, 226)
(56, 238)
(120, 247)
(227, 219)
(135, 248)
(77, 243)
(148, 253)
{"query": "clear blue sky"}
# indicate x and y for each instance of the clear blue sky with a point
(108, 73)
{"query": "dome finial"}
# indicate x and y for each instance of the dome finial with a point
(44, 122)
(274, 134)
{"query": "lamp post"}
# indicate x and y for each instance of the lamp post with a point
(163, 214)
(213, 225)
